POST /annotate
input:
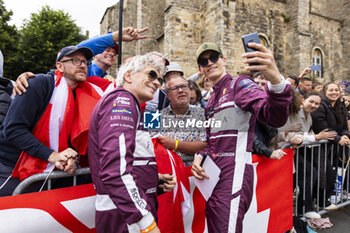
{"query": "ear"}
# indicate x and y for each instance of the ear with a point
(200, 70)
(59, 66)
(224, 59)
(127, 77)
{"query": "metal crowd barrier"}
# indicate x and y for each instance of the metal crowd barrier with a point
(307, 152)
(49, 177)
(61, 174)
(187, 160)
(317, 154)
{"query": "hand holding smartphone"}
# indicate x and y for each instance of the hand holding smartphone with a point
(251, 38)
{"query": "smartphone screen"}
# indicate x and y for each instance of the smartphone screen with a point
(250, 38)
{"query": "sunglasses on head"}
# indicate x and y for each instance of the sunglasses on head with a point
(203, 62)
(152, 75)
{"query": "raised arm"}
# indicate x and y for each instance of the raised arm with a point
(100, 43)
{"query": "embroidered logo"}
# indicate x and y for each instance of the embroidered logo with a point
(122, 111)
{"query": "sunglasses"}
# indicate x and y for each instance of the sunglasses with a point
(152, 75)
(203, 62)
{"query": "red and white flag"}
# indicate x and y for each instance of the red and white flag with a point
(73, 208)
(53, 129)
(271, 209)
(87, 95)
(64, 117)
(172, 206)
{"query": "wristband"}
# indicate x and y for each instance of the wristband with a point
(176, 144)
(148, 229)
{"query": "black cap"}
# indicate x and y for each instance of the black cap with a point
(72, 49)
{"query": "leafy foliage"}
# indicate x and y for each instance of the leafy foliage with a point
(8, 40)
(43, 36)
(34, 48)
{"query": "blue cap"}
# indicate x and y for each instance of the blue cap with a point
(68, 50)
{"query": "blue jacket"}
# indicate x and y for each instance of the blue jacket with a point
(5, 97)
(24, 113)
(97, 45)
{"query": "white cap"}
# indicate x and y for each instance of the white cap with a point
(173, 67)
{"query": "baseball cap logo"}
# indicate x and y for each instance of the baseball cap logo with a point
(205, 46)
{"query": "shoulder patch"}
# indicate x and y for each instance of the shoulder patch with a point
(247, 83)
(121, 101)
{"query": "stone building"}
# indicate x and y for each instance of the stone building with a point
(299, 32)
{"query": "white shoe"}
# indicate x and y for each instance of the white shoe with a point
(335, 199)
(331, 207)
(312, 214)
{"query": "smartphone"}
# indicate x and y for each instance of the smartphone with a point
(250, 38)
(316, 67)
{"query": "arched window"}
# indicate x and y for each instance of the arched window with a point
(263, 40)
(317, 61)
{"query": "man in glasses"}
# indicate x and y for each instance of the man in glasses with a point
(237, 102)
(160, 99)
(38, 123)
(105, 50)
(121, 154)
(177, 133)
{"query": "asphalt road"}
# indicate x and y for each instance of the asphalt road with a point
(341, 220)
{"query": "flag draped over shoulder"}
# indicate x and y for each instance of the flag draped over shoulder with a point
(87, 95)
(64, 117)
(175, 204)
(53, 129)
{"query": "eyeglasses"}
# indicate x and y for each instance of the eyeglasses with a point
(183, 87)
(203, 62)
(152, 75)
(77, 62)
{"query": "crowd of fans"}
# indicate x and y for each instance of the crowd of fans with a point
(317, 111)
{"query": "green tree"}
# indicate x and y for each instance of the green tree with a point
(43, 36)
(8, 41)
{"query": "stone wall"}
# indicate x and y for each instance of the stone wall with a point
(345, 37)
(248, 19)
(326, 8)
(181, 36)
(292, 28)
(327, 39)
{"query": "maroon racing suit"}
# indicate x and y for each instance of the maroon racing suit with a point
(123, 165)
(237, 102)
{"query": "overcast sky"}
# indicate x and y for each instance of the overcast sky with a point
(86, 13)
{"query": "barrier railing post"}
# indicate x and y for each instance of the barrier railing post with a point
(324, 153)
(45, 175)
(296, 181)
(304, 181)
(318, 180)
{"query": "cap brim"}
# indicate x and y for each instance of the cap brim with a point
(86, 51)
(207, 51)
(88, 54)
